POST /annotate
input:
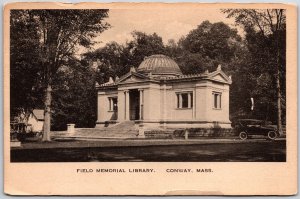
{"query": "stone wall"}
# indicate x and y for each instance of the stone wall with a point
(159, 134)
(204, 132)
(191, 133)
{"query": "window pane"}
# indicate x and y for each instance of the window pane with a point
(109, 100)
(191, 99)
(115, 104)
(178, 101)
(185, 99)
(215, 100)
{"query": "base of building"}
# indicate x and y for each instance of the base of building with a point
(171, 124)
(106, 123)
(189, 133)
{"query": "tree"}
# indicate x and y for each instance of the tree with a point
(25, 88)
(143, 45)
(59, 33)
(216, 41)
(205, 47)
(115, 59)
(74, 96)
(109, 61)
(270, 26)
(251, 80)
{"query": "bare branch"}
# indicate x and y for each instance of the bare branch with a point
(255, 18)
(270, 21)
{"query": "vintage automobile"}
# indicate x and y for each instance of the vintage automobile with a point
(246, 128)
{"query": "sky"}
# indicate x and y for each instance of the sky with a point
(167, 23)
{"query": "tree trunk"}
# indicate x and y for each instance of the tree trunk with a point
(47, 102)
(278, 89)
(279, 122)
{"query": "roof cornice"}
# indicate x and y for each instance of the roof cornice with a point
(147, 79)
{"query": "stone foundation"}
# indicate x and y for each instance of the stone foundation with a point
(159, 134)
(189, 133)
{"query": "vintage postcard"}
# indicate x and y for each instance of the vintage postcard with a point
(150, 99)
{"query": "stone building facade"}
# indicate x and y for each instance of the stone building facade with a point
(158, 95)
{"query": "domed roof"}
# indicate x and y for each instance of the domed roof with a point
(159, 65)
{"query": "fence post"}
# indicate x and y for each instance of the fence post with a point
(186, 134)
(71, 128)
(141, 131)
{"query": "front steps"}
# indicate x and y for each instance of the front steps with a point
(122, 130)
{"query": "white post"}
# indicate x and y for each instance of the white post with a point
(194, 104)
(141, 103)
(143, 109)
(186, 134)
(109, 99)
(124, 105)
(127, 105)
(189, 100)
(165, 103)
(180, 100)
(141, 131)
(71, 128)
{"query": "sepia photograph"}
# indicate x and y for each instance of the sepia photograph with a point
(136, 83)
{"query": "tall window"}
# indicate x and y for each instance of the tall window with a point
(113, 103)
(217, 99)
(184, 100)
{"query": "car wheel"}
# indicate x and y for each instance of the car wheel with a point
(272, 135)
(243, 135)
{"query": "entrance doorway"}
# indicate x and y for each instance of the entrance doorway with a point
(134, 104)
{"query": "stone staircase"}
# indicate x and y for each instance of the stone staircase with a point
(125, 129)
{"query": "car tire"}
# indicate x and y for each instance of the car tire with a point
(243, 135)
(272, 135)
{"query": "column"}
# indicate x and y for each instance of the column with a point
(127, 105)
(180, 100)
(121, 106)
(141, 103)
(220, 100)
(194, 104)
(165, 103)
(124, 105)
(189, 100)
(110, 103)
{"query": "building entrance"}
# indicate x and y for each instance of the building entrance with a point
(134, 104)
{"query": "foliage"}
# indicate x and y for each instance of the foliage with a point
(61, 31)
(266, 61)
(216, 41)
(264, 21)
(144, 45)
(54, 37)
(115, 59)
(205, 47)
(25, 92)
(74, 96)
(109, 61)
